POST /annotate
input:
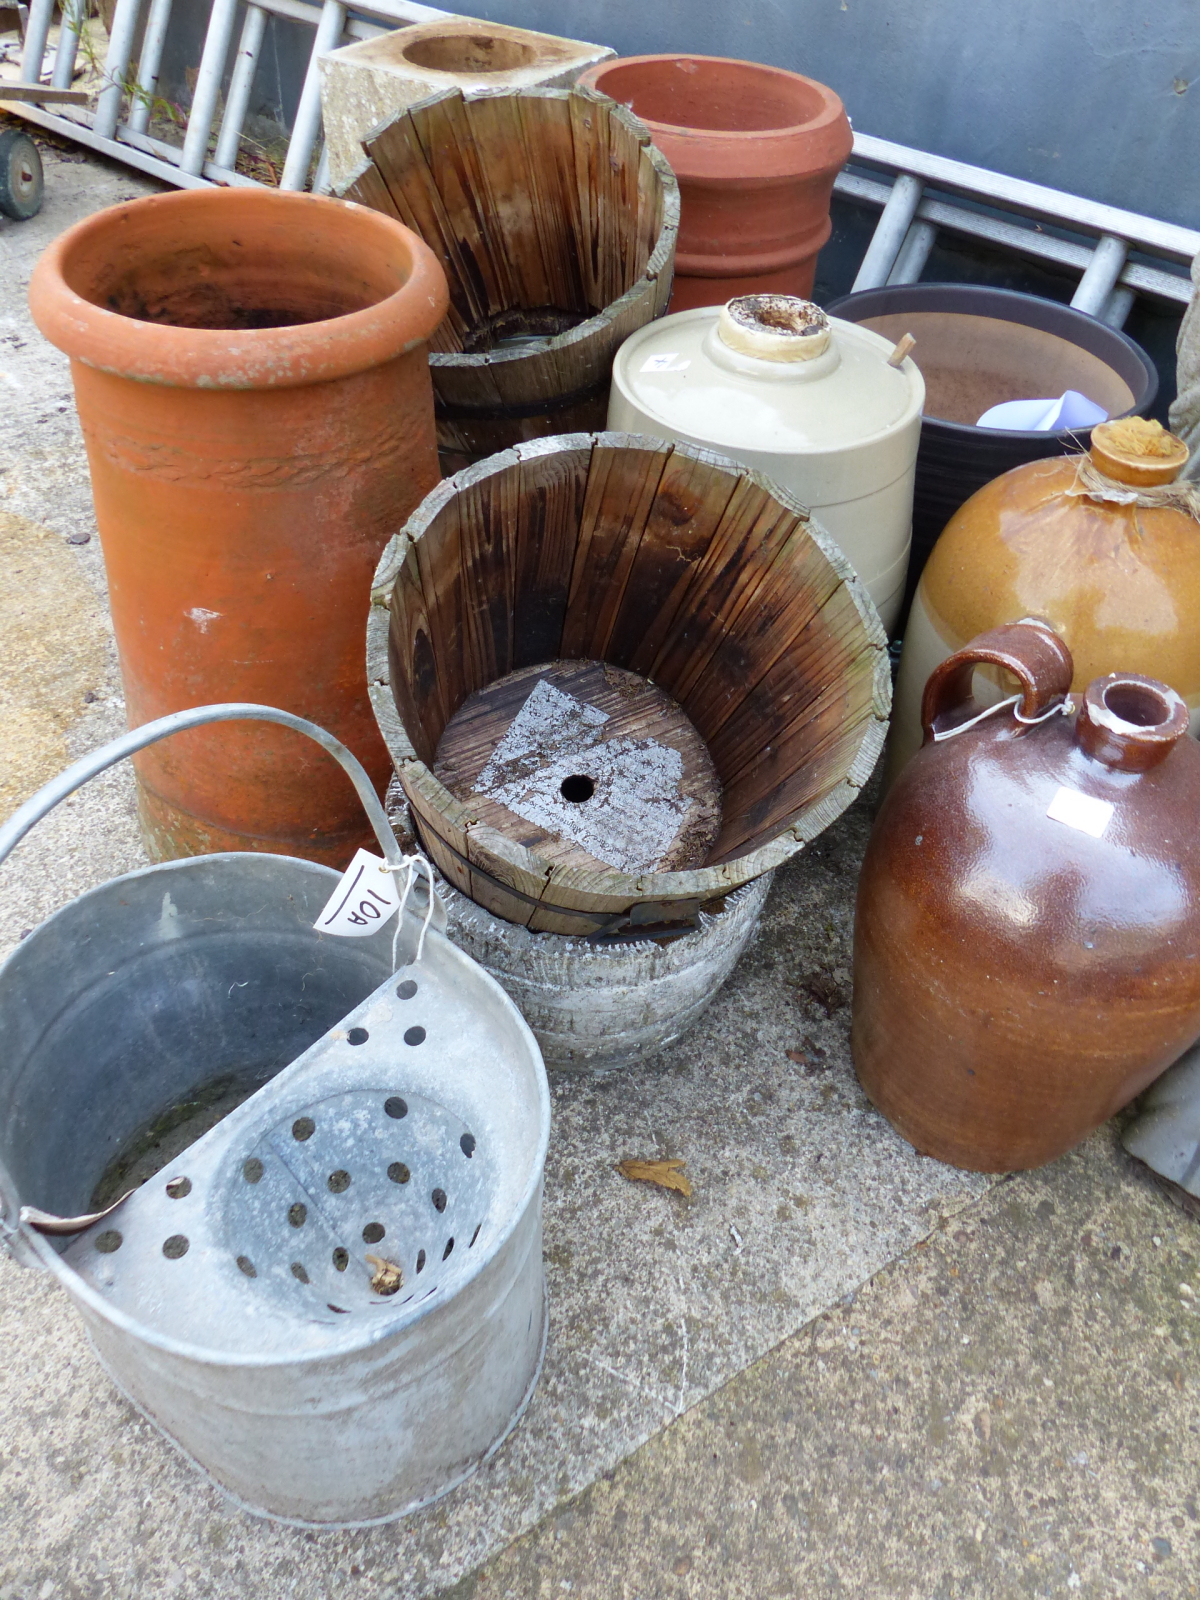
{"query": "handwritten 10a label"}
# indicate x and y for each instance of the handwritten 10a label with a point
(1080, 811)
(366, 896)
(668, 361)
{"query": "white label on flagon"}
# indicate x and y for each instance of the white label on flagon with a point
(1080, 811)
(366, 896)
(667, 362)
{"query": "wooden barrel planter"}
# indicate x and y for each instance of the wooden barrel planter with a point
(619, 678)
(555, 220)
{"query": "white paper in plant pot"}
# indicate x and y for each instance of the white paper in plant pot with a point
(1070, 410)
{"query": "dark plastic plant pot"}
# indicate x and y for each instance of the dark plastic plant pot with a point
(977, 347)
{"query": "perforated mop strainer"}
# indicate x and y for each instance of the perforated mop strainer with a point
(333, 1299)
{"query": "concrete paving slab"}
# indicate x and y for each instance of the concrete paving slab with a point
(1011, 1410)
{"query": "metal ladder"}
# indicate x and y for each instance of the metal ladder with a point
(917, 193)
(1094, 238)
(118, 125)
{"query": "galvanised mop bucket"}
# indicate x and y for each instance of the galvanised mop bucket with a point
(333, 1300)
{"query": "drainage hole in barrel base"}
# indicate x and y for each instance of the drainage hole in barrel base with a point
(577, 788)
(175, 1246)
(373, 1232)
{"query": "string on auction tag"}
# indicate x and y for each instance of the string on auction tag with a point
(411, 865)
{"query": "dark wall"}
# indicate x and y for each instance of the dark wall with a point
(1099, 97)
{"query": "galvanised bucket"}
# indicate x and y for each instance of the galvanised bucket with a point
(333, 1300)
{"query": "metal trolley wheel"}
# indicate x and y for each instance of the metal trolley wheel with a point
(21, 180)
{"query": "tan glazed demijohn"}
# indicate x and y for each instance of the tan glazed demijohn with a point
(1103, 547)
(252, 380)
(1028, 918)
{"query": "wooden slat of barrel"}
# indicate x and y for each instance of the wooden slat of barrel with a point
(622, 484)
(678, 533)
(552, 485)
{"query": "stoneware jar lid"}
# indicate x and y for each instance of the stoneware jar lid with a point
(768, 373)
(1137, 450)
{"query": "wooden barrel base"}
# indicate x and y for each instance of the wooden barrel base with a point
(586, 764)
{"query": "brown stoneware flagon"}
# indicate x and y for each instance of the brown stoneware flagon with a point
(755, 149)
(252, 381)
(1027, 937)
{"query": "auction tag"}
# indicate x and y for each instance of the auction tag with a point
(667, 362)
(366, 896)
(1080, 811)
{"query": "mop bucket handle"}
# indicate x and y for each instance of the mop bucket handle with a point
(90, 766)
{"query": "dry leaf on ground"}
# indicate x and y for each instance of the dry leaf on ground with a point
(667, 1174)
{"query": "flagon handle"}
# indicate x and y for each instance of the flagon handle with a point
(44, 801)
(1031, 651)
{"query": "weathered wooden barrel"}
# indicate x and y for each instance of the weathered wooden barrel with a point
(555, 220)
(619, 678)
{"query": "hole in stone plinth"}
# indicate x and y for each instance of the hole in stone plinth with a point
(108, 1241)
(577, 788)
(338, 1181)
(303, 1128)
(395, 1107)
(177, 1188)
(175, 1246)
(373, 1232)
(297, 1214)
